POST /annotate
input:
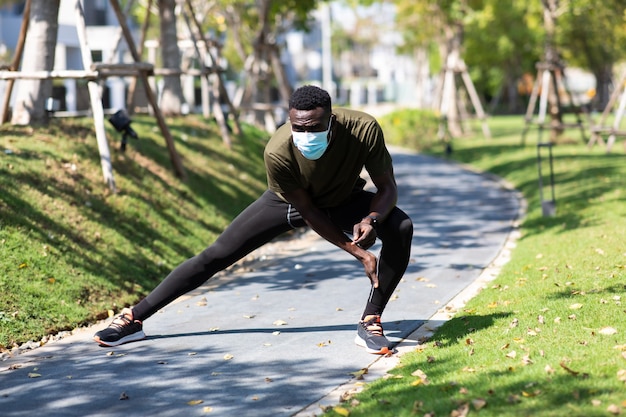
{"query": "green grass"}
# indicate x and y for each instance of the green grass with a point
(548, 336)
(70, 249)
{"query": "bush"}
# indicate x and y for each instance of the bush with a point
(411, 128)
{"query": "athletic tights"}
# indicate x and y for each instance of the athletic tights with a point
(269, 217)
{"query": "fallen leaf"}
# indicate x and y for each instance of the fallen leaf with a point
(462, 411)
(342, 411)
(207, 409)
(279, 323)
(33, 375)
(195, 402)
(228, 357)
(359, 374)
(512, 354)
(249, 316)
(422, 377)
(479, 403)
(569, 370)
(613, 409)
(123, 396)
(607, 331)
(576, 306)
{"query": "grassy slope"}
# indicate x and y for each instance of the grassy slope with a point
(70, 249)
(548, 336)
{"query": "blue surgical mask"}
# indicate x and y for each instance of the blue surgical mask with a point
(312, 145)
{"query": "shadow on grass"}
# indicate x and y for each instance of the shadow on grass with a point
(131, 263)
(580, 178)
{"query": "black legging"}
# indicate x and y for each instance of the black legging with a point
(269, 217)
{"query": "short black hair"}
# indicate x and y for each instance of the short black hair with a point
(310, 97)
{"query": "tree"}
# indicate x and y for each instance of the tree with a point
(593, 36)
(39, 52)
(172, 94)
(253, 30)
(502, 46)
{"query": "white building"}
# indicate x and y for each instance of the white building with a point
(102, 32)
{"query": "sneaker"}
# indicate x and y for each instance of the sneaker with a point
(370, 336)
(123, 329)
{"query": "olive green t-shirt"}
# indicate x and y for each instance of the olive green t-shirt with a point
(357, 142)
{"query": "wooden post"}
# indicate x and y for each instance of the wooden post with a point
(17, 58)
(449, 107)
(132, 87)
(597, 130)
(217, 106)
(174, 157)
(222, 93)
(96, 99)
(550, 82)
(471, 90)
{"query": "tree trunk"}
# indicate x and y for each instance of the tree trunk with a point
(604, 79)
(172, 95)
(450, 98)
(39, 49)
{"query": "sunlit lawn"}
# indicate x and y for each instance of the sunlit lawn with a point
(548, 336)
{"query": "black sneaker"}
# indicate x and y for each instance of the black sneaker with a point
(123, 329)
(370, 336)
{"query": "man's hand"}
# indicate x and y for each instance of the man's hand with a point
(364, 235)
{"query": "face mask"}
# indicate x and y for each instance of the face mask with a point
(312, 145)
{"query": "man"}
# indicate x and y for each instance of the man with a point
(313, 165)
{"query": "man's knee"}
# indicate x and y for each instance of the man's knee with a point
(405, 230)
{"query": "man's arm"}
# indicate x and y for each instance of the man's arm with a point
(364, 234)
(322, 225)
(383, 202)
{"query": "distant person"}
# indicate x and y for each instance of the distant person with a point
(313, 166)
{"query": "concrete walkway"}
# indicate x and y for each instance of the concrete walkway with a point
(275, 337)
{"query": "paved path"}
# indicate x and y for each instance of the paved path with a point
(276, 338)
